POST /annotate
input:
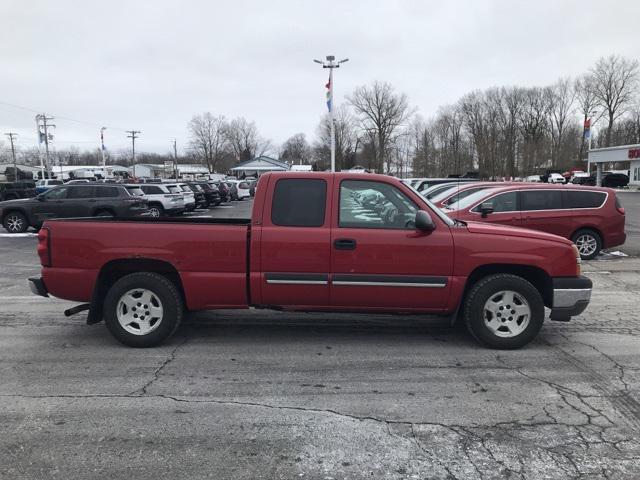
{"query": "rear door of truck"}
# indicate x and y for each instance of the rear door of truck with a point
(294, 241)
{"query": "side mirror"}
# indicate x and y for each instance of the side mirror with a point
(486, 208)
(424, 222)
(40, 198)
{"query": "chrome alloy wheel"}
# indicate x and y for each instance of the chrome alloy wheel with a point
(14, 224)
(139, 311)
(586, 244)
(506, 314)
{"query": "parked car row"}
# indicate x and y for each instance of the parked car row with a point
(118, 200)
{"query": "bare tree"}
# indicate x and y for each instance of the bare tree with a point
(381, 111)
(296, 150)
(346, 138)
(560, 98)
(207, 138)
(615, 81)
(244, 140)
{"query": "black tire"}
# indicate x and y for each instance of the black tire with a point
(156, 210)
(483, 291)
(170, 301)
(15, 222)
(587, 235)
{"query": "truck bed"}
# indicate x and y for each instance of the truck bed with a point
(209, 255)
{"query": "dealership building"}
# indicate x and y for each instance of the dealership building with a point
(623, 153)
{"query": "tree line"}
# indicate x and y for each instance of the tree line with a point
(503, 131)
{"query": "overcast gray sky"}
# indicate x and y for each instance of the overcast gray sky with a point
(150, 66)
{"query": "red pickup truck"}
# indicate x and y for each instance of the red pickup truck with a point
(316, 242)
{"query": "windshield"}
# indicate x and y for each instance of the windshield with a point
(442, 193)
(433, 208)
(470, 199)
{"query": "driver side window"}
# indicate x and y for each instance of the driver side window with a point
(367, 204)
(56, 193)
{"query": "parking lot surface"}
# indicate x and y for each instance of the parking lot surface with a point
(260, 394)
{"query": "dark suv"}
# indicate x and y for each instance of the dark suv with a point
(14, 190)
(65, 201)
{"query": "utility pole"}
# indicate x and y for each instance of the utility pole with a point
(104, 159)
(133, 146)
(45, 126)
(175, 159)
(11, 136)
(331, 64)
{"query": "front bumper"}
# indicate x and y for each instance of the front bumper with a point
(571, 295)
(37, 286)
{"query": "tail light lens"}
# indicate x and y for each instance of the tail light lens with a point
(578, 260)
(44, 247)
(619, 206)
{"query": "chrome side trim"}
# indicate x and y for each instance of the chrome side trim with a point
(390, 284)
(298, 282)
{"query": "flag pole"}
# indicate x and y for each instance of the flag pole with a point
(331, 64)
(104, 161)
(333, 127)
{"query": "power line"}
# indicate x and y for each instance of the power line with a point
(11, 135)
(133, 147)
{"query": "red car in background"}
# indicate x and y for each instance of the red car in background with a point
(591, 217)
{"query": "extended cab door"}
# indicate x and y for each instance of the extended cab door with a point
(294, 242)
(378, 259)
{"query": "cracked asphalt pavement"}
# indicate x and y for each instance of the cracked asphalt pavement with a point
(258, 394)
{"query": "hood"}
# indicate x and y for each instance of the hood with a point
(8, 203)
(504, 230)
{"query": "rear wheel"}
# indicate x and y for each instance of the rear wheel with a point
(15, 222)
(143, 309)
(588, 242)
(504, 311)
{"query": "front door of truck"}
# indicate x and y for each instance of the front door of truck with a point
(378, 259)
(294, 242)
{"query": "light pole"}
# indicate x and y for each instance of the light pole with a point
(104, 160)
(330, 63)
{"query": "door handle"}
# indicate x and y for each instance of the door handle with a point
(345, 244)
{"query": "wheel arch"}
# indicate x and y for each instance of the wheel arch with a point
(114, 270)
(588, 227)
(538, 277)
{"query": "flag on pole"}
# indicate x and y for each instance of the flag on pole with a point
(587, 128)
(329, 90)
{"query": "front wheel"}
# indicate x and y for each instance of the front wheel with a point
(15, 222)
(156, 211)
(143, 309)
(504, 311)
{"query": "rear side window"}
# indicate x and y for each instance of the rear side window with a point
(174, 189)
(80, 191)
(107, 192)
(299, 202)
(541, 200)
(584, 199)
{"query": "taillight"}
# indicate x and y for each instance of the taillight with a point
(578, 260)
(619, 206)
(44, 247)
